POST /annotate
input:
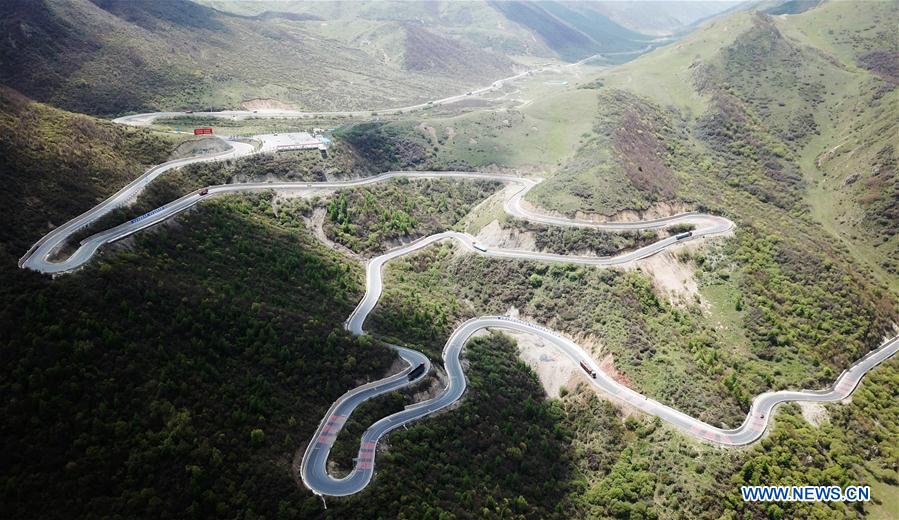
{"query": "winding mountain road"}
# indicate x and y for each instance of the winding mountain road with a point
(38, 257)
(313, 469)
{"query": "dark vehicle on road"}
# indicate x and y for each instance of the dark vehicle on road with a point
(204, 191)
(686, 234)
(417, 371)
(588, 370)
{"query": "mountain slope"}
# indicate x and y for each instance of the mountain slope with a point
(820, 89)
(167, 374)
(569, 30)
(735, 119)
(731, 119)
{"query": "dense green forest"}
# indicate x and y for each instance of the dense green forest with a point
(503, 452)
(584, 240)
(137, 386)
(368, 219)
(179, 373)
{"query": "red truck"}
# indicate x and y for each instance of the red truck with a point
(202, 131)
(588, 370)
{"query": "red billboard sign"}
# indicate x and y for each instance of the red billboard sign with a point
(202, 131)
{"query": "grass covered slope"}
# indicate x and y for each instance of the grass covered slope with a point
(621, 166)
(807, 102)
(745, 154)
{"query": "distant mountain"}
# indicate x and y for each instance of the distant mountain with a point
(793, 7)
(544, 28)
(659, 17)
(113, 56)
(573, 29)
(108, 57)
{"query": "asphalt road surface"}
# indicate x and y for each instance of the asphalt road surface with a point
(37, 258)
(313, 470)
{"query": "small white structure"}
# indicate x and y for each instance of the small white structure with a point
(294, 141)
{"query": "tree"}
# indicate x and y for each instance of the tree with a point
(257, 437)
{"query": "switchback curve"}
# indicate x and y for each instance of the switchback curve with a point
(313, 469)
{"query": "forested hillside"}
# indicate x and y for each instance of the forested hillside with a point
(55, 165)
(372, 220)
(177, 375)
(600, 460)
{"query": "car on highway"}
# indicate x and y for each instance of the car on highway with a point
(416, 372)
(588, 370)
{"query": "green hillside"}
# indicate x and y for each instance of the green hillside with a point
(819, 90)
(773, 104)
(739, 142)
